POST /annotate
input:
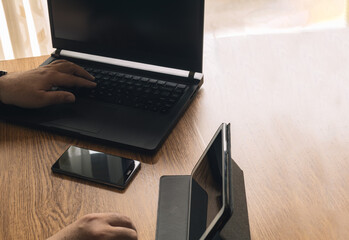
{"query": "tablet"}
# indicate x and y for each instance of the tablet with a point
(197, 206)
(210, 188)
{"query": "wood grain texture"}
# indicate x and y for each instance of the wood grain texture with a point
(286, 97)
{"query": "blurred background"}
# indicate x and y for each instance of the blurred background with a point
(25, 32)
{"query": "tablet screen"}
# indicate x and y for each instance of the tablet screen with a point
(207, 189)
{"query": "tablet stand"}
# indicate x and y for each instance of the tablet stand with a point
(173, 210)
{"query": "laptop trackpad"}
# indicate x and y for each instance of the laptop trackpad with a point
(78, 125)
(75, 118)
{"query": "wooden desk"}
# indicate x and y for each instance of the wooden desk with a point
(286, 97)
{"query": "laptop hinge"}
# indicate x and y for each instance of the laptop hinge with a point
(56, 53)
(128, 64)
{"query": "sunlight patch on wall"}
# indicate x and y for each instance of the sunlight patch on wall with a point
(4, 35)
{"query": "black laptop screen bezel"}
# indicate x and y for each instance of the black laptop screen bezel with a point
(194, 64)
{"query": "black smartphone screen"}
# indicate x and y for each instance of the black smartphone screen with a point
(96, 166)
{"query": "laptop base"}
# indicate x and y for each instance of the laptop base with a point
(123, 126)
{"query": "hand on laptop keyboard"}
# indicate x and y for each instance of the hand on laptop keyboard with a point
(32, 89)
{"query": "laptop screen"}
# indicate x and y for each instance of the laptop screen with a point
(157, 32)
(207, 197)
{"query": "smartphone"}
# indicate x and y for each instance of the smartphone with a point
(96, 166)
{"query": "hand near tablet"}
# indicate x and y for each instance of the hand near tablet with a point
(99, 226)
(32, 89)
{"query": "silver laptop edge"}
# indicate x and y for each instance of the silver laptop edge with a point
(129, 64)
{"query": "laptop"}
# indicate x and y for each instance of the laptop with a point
(147, 60)
(199, 205)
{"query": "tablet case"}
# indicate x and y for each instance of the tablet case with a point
(237, 227)
(173, 210)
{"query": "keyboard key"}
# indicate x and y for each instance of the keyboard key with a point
(175, 95)
(172, 85)
(165, 94)
(179, 90)
(167, 88)
(148, 90)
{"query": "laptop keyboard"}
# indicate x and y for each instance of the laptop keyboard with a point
(134, 91)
